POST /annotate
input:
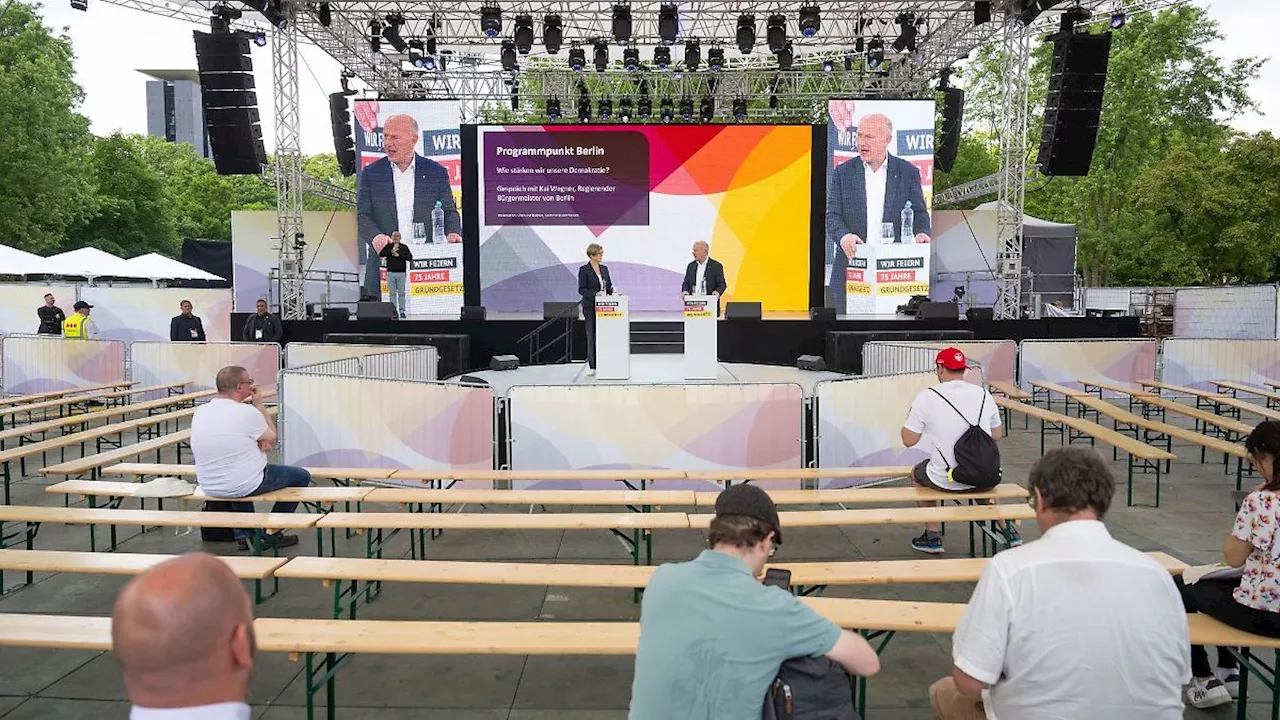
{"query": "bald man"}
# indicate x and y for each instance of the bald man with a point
(704, 276)
(398, 192)
(867, 191)
(183, 635)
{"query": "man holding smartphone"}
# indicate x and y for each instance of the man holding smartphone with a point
(712, 636)
(397, 255)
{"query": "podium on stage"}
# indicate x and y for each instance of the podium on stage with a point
(701, 359)
(882, 277)
(613, 337)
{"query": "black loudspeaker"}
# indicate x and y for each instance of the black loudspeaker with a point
(336, 313)
(504, 362)
(344, 147)
(556, 308)
(473, 312)
(980, 313)
(811, 362)
(230, 105)
(938, 311)
(376, 310)
(742, 311)
(1074, 105)
(822, 314)
(952, 121)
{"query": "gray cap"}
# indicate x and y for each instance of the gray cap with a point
(752, 502)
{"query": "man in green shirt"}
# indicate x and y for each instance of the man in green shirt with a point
(712, 636)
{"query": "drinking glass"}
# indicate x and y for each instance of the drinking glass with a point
(886, 233)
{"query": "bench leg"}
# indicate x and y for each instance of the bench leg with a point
(1129, 502)
(325, 675)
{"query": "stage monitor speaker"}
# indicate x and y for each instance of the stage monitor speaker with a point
(336, 313)
(344, 147)
(952, 121)
(742, 311)
(822, 314)
(473, 312)
(230, 105)
(376, 311)
(1077, 80)
(980, 313)
(811, 362)
(557, 308)
(473, 380)
(938, 311)
(504, 362)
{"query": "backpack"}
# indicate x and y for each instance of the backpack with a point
(810, 689)
(977, 456)
(217, 534)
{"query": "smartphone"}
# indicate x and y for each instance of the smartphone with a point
(778, 577)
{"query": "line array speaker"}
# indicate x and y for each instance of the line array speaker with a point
(1074, 106)
(344, 146)
(230, 103)
(952, 121)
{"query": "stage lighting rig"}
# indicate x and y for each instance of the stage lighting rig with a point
(875, 52)
(621, 24)
(624, 110)
(810, 20)
(577, 58)
(269, 10)
(220, 18)
(828, 66)
(746, 33)
(491, 20)
(668, 23)
(606, 109)
(416, 51)
(692, 54)
(715, 59)
(391, 33)
(775, 33)
(908, 29)
(786, 56)
(662, 57)
(523, 34)
(552, 33)
(740, 109)
(668, 110)
(584, 106)
(708, 109)
(553, 108)
(644, 107)
(1118, 19)
(509, 62)
(601, 55)
(631, 59)
(686, 108)
(375, 35)
(1071, 16)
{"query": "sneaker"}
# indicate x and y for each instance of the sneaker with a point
(1230, 678)
(591, 371)
(1203, 694)
(402, 316)
(1012, 535)
(930, 542)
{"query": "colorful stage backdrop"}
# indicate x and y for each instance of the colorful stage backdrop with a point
(645, 193)
(331, 245)
(143, 313)
(38, 363)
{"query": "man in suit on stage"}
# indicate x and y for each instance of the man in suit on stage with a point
(867, 191)
(397, 191)
(704, 276)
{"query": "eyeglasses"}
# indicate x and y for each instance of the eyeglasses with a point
(773, 547)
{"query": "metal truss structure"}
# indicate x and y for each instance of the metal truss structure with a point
(1012, 176)
(288, 170)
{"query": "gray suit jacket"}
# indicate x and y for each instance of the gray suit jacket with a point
(847, 199)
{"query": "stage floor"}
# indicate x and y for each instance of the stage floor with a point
(651, 370)
(654, 316)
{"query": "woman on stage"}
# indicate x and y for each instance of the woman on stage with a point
(593, 281)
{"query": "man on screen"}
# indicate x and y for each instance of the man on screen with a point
(704, 276)
(866, 192)
(398, 192)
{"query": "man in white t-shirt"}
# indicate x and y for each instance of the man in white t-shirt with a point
(939, 416)
(230, 441)
(1073, 625)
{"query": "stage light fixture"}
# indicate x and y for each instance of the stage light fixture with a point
(644, 107)
(631, 59)
(375, 35)
(491, 20)
(221, 17)
(828, 66)
(509, 62)
(429, 61)
(667, 110)
(431, 41)
(624, 110)
(269, 10)
(260, 39)
(746, 33)
(708, 109)
(810, 20)
(875, 52)
(391, 33)
(553, 108)
(776, 32)
(584, 107)
(601, 55)
(621, 24)
(552, 33)
(715, 59)
(907, 31)
(1031, 9)
(662, 57)
(523, 34)
(686, 108)
(692, 54)
(577, 58)
(324, 13)
(606, 109)
(981, 12)
(1118, 19)
(739, 109)
(81, 5)
(1071, 16)
(786, 56)
(416, 50)
(515, 95)
(668, 22)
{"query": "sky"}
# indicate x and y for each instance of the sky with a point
(112, 43)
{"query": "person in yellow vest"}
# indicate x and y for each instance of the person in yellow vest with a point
(78, 324)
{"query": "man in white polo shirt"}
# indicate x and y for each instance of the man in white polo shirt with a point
(1073, 625)
(939, 416)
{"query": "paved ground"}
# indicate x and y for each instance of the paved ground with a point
(1195, 514)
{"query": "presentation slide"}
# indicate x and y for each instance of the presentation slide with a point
(646, 193)
(879, 204)
(409, 155)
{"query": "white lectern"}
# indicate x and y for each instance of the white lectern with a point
(700, 354)
(613, 338)
(882, 277)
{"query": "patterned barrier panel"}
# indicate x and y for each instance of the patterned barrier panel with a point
(997, 358)
(18, 303)
(860, 422)
(35, 363)
(159, 363)
(334, 421)
(135, 314)
(1197, 362)
(1248, 312)
(684, 427)
(1067, 362)
(297, 354)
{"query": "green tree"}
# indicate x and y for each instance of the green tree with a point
(199, 200)
(44, 179)
(130, 214)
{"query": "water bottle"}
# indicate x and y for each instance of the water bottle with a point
(702, 286)
(908, 233)
(437, 223)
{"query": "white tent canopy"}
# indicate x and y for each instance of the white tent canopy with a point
(90, 263)
(1027, 220)
(158, 267)
(19, 262)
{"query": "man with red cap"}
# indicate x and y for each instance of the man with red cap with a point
(940, 415)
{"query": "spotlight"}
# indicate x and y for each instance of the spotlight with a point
(431, 43)
(324, 14)
(1071, 16)
(621, 23)
(577, 58)
(509, 62)
(746, 33)
(631, 59)
(668, 22)
(875, 52)
(810, 20)
(552, 33)
(375, 35)
(786, 56)
(907, 30)
(523, 34)
(260, 39)
(715, 59)
(429, 61)
(692, 54)
(1118, 19)
(553, 108)
(416, 50)
(668, 111)
(81, 5)
(828, 66)
(739, 109)
(269, 9)
(220, 18)
(644, 107)
(606, 109)
(391, 33)
(662, 57)
(708, 109)
(981, 12)
(601, 55)
(491, 20)
(584, 107)
(624, 110)
(686, 108)
(776, 32)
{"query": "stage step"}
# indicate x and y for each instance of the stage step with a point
(657, 338)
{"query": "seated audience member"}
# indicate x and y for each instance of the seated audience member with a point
(940, 415)
(183, 635)
(1074, 625)
(712, 636)
(230, 441)
(1248, 601)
